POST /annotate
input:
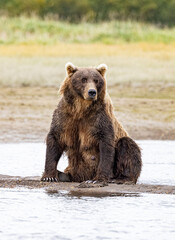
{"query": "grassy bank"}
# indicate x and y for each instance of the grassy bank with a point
(33, 30)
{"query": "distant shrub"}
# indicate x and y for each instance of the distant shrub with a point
(155, 11)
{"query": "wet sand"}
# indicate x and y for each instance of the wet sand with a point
(90, 190)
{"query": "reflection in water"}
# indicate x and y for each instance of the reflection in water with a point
(57, 193)
(36, 214)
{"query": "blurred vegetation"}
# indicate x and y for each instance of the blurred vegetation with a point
(156, 11)
(22, 30)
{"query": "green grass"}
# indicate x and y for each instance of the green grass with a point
(33, 30)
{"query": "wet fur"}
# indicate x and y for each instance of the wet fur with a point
(96, 144)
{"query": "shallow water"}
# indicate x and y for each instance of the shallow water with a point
(36, 214)
(27, 159)
(39, 214)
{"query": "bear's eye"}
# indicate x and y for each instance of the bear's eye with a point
(96, 80)
(84, 80)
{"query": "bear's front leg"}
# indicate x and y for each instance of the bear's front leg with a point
(105, 167)
(53, 154)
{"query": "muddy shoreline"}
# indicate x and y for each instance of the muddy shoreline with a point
(92, 190)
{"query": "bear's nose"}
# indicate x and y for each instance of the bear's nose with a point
(92, 93)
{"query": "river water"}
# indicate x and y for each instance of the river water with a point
(38, 214)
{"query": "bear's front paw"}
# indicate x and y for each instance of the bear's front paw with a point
(101, 178)
(50, 177)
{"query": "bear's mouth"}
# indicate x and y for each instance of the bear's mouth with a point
(90, 98)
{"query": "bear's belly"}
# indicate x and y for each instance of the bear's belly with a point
(83, 164)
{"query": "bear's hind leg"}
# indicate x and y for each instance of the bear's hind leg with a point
(63, 177)
(128, 163)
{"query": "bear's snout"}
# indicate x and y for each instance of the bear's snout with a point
(92, 93)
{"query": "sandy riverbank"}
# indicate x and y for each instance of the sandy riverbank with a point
(92, 190)
(26, 114)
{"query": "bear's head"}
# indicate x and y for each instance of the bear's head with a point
(89, 84)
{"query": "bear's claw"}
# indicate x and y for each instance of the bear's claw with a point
(49, 180)
(89, 181)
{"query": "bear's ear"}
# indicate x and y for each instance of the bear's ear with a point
(102, 68)
(70, 68)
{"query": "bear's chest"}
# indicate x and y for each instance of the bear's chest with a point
(78, 135)
(80, 144)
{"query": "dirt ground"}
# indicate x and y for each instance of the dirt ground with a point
(26, 112)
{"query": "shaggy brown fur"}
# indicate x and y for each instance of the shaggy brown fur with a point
(84, 126)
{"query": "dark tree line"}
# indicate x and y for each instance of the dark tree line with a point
(155, 11)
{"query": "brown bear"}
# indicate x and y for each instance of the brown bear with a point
(85, 128)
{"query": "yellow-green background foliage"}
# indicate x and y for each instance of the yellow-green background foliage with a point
(155, 11)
